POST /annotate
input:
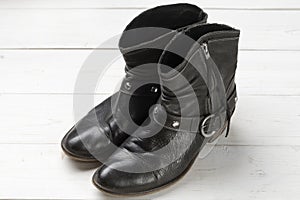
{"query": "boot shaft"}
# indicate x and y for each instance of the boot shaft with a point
(145, 37)
(141, 45)
(201, 48)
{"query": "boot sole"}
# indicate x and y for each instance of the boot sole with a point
(171, 183)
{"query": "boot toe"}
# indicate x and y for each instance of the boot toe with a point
(117, 182)
(74, 147)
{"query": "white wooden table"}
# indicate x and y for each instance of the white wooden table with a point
(43, 44)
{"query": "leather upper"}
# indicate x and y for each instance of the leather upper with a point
(161, 153)
(104, 128)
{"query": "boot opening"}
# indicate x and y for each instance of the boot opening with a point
(167, 17)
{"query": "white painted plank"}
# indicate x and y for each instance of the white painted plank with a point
(37, 118)
(88, 28)
(43, 172)
(259, 120)
(55, 72)
(287, 4)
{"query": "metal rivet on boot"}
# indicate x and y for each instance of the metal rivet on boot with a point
(175, 124)
(156, 110)
(154, 89)
(127, 86)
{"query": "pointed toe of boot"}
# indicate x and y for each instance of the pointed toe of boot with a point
(116, 182)
(73, 146)
(107, 179)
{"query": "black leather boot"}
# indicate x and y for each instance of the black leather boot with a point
(196, 105)
(98, 134)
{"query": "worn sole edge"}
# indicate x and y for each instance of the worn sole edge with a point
(154, 190)
(148, 191)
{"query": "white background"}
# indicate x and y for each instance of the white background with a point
(43, 44)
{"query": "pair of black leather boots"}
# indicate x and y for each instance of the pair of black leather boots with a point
(178, 95)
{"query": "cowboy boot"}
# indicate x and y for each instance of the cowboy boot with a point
(198, 98)
(98, 134)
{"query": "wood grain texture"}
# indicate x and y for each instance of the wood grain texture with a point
(88, 28)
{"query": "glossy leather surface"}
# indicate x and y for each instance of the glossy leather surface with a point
(139, 152)
(98, 134)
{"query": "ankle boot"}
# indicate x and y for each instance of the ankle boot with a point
(195, 107)
(98, 134)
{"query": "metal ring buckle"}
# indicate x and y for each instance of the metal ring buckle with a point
(207, 135)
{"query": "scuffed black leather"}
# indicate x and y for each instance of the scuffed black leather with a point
(93, 136)
(182, 146)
